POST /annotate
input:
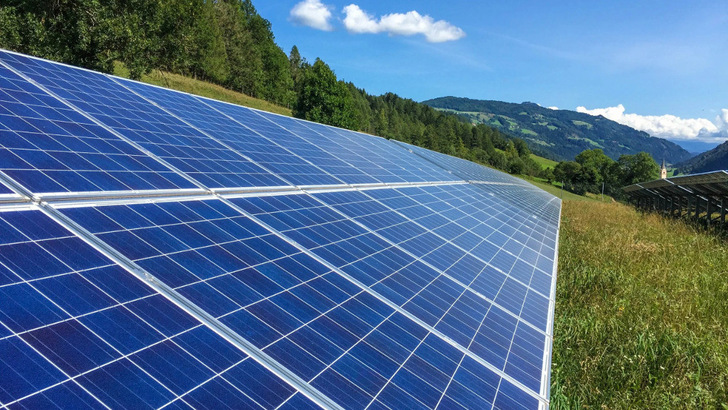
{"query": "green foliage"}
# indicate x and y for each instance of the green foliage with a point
(638, 168)
(593, 171)
(324, 99)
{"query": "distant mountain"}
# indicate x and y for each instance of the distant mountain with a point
(713, 160)
(696, 147)
(561, 134)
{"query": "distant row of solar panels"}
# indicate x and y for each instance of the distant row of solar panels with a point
(159, 249)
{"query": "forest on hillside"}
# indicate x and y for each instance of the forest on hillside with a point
(227, 42)
(713, 160)
(561, 134)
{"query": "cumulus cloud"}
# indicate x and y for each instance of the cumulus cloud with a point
(667, 126)
(312, 13)
(553, 108)
(401, 24)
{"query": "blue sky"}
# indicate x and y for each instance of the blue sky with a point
(659, 66)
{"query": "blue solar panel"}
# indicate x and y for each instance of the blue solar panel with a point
(184, 147)
(329, 162)
(328, 331)
(77, 330)
(482, 314)
(436, 292)
(49, 147)
(238, 135)
(374, 156)
(464, 169)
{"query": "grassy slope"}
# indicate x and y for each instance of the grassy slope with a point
(205, 89)
(544, 162)
(641, 312)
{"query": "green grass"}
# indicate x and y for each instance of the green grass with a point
(202, 88)
(557, 191)
(544, 162)
(582, 124)
(641, 312)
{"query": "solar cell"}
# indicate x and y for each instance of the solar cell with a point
(410, 282)
(467, 170)
(49, 147)
(165, 136)
(5, 190)
(374, 156)
(333, 334)
(77, 330)
(239, 135)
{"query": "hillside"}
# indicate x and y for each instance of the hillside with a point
(561, 134)
(713, 160)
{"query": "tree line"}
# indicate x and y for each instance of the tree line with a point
(228, 43)
(593, 171)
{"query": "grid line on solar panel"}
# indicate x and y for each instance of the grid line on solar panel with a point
(82, 329)
(7, 194)
(388, 301)
(533, 391)
(360, 213)
(202, 161)
(542, 343)
(238, 135)
(184, 116)
(362, 151)
(266, 343)
(465, 169)
(185, 301)
(48, 146)
(329, 162)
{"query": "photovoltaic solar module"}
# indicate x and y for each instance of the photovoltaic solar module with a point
(159, 249)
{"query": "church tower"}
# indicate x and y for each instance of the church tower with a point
(663, 171)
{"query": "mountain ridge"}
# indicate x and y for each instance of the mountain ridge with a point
(713, 160)
(560, 134)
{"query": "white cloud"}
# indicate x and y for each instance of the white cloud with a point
(553, 108)
(312, 13)
(401, 24)
(667, 126)
(358, 21)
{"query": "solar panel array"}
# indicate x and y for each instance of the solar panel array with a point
(159, 249)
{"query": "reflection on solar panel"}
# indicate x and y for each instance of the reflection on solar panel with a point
(158, 248)
(464, 169)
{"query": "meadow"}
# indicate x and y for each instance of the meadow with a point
(641, 315)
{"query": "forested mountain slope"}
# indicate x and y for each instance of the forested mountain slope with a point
(713, 160)
(561, 134)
